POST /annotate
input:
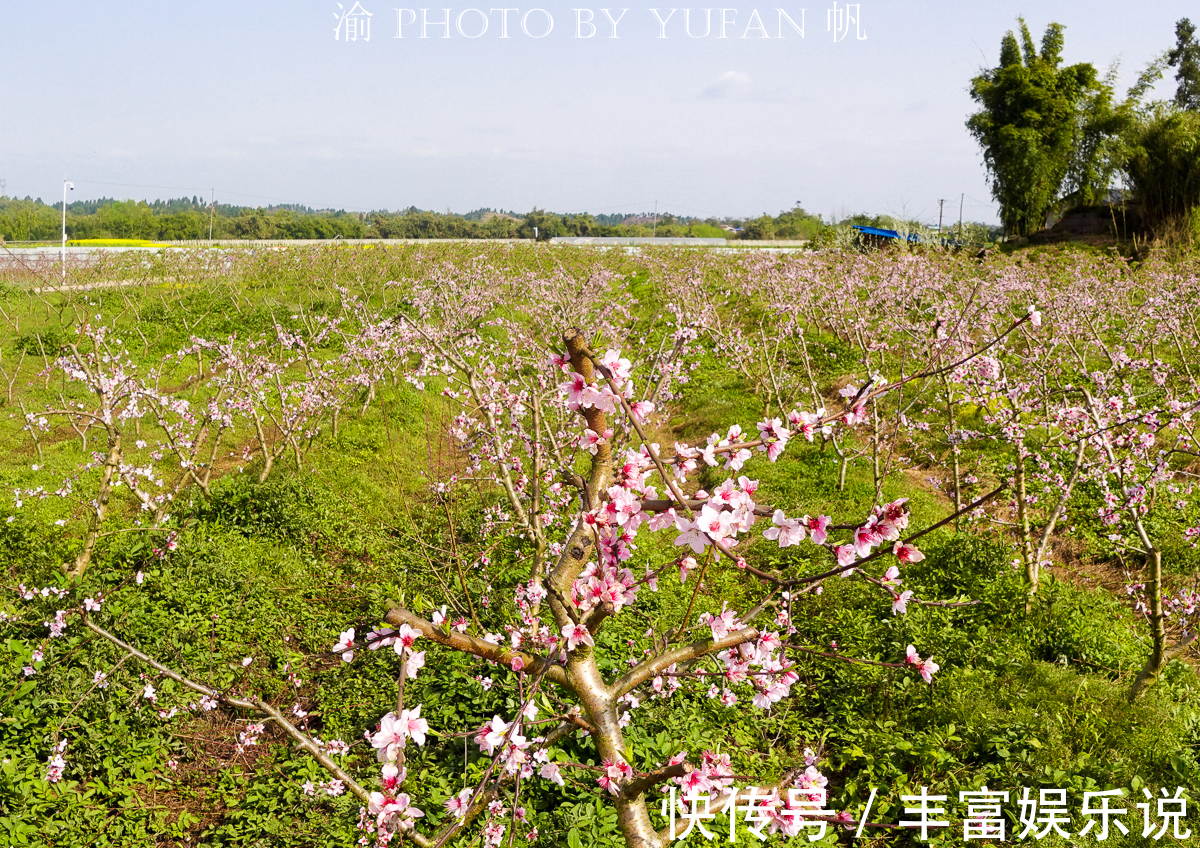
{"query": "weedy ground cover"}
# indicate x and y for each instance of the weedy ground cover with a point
(237, 456)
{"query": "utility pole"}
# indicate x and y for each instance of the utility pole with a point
(654, 224)
(940, 204)
(71, 186)
(211, 200)
(961, 198)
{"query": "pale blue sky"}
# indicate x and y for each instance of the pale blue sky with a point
(151, 99)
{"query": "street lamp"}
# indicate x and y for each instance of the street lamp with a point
(71, 186)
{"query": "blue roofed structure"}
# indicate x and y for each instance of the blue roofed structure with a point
(881, 233)
(880, 236)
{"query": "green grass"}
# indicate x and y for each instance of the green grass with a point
(275, 571)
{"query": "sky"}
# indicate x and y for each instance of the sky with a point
(271, 101)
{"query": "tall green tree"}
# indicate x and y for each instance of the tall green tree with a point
(1034, 120)
(1163, 168)
(1102, 137)
(1185, 59)
(1159, 148)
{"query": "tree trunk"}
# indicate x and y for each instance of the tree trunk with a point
(103, 493)
(1159, 657)
(1032, 572)
(266, 451)
(632, 816)
(955, 466)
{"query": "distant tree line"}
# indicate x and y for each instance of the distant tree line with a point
(183, 218)
(33, 220)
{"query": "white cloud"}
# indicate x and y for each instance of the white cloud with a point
(728, 84)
